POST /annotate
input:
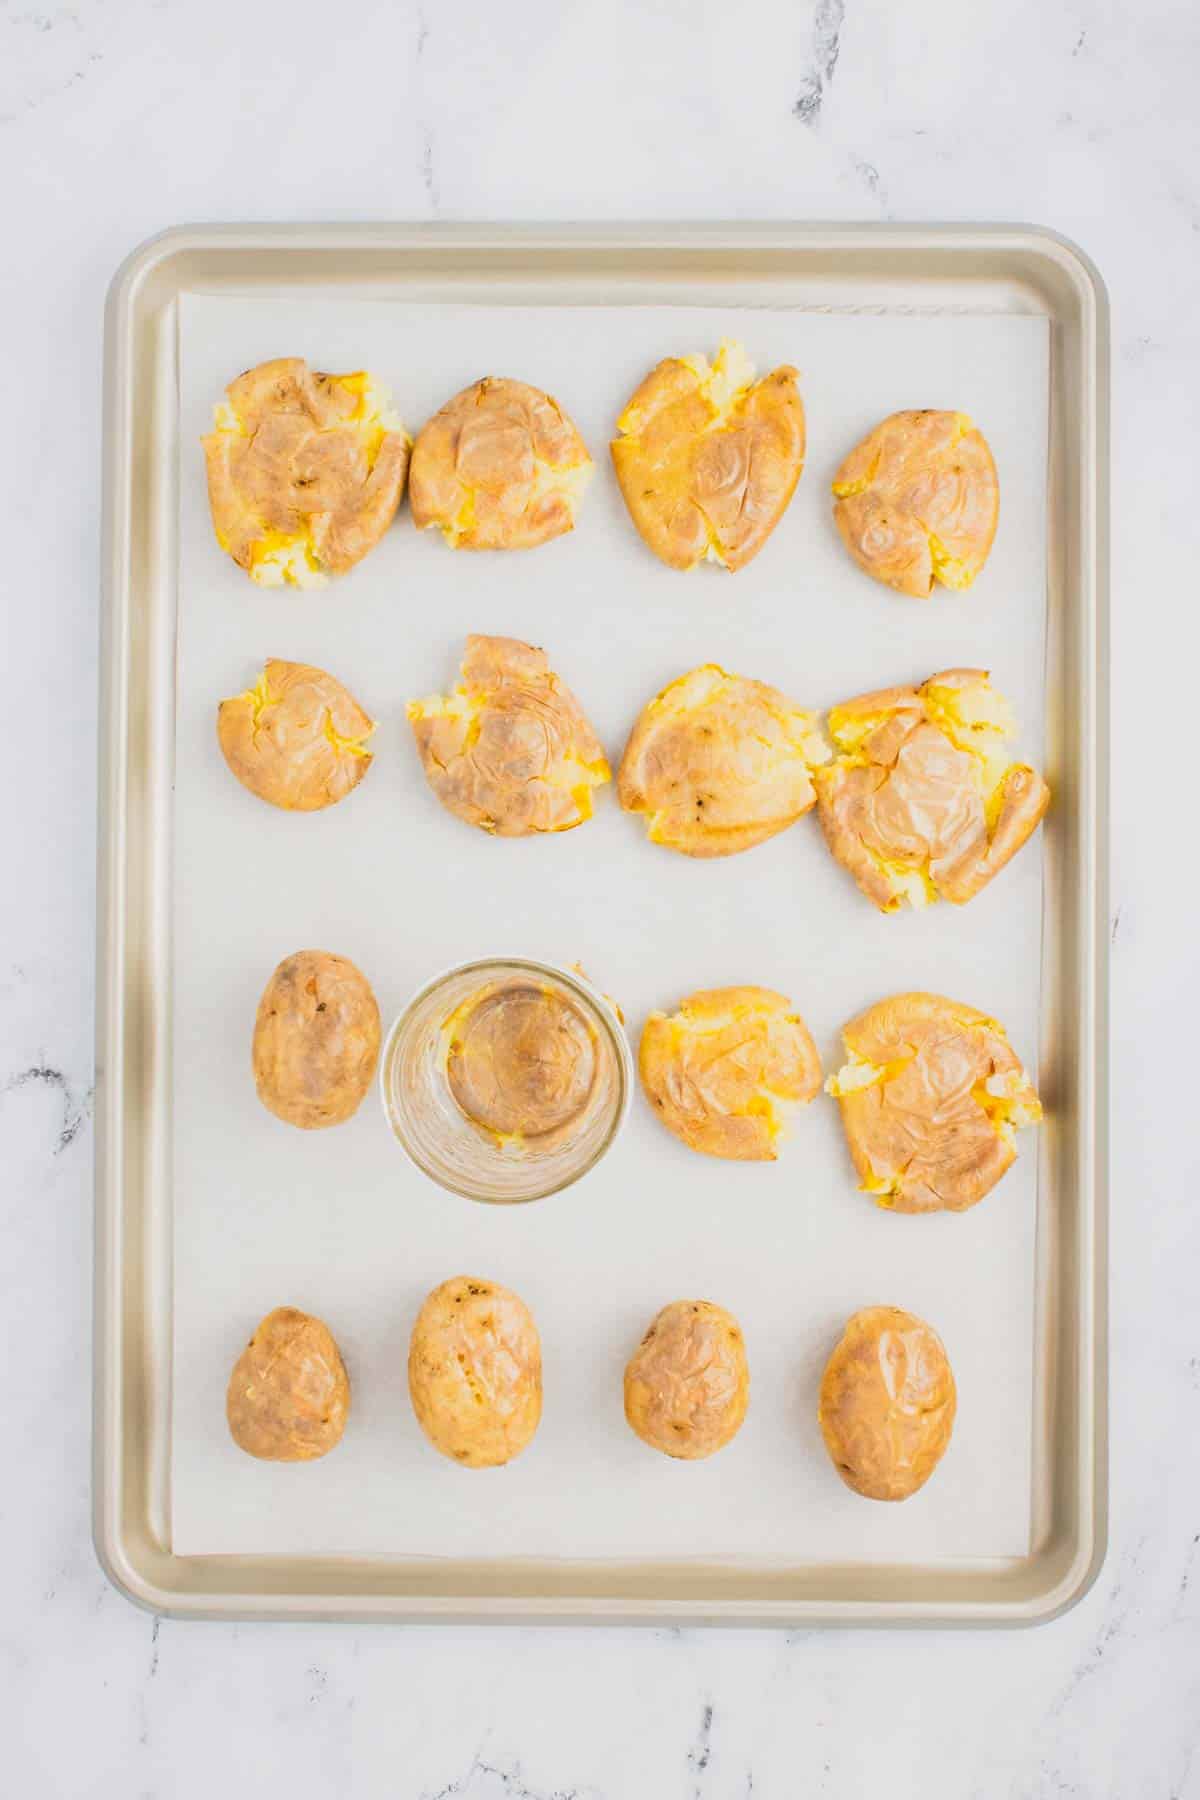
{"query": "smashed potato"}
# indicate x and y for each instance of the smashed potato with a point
(521, 1062)
(475, 1372)
(725, 1071)
(500, 467)
(921, 801)
(297, 738)
(931, 1096)
(719, 763)
(918, 501)
(687, 1385)
(289, 1394)
(708, 458)
(510, 749)
(887, 1403)
(316, 1040)
(305, 471)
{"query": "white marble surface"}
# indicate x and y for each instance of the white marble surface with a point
(116, 120)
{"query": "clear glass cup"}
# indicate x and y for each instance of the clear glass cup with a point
(461, 1155)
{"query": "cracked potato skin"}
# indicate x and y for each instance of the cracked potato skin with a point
(687, 1385)
(887, 1403)
(702, 480)
(910, 801)
(718, 763)
(302, 467)
(289, 1395)
(918, 502)
(722, 1068)
(511, 751)
(297, 739)
(923, 1137)
(500, 467)
(316, 1040)
(475, 1372)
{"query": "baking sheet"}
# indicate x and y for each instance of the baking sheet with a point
(337, 1222)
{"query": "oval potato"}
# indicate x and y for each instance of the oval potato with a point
(887, 1403)
(687, 1385)
(475, 1372)
(316, 1040)
(289, 1394)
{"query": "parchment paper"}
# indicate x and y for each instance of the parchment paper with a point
(337, 1222)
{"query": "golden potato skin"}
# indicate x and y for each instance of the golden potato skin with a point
(298, 462)
(297, 739)
(500, 467)
(687, 1385)
(316, 1040)
(918, 502)
(521, 1062)
(289, 1394)
(721, 1071)
(887, 1403)
(511, 750)
(475, 1372)
(927, 1133)
(708, 458)
(718, 763)
(920, 796)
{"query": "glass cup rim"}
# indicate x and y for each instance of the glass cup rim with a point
(598, 1005)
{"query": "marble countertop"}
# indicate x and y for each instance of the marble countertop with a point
(116, 121)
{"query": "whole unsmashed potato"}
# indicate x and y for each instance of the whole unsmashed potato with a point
(500, 467)
(887, 1403)
(510, 750)
(918, 501)
(687, 1385)
(724, 1071)
(316, 1040)
(708, 458)
(305, 471)
(475, 1372)
(297, 739)
(931, 1097)
(922, 801)
(289, 1393)
(718, 763)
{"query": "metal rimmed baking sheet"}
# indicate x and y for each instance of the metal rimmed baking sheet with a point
(958, 270)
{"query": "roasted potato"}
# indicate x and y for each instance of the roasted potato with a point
(718, 763)
(931, 1096)
(510, 750)
(708, 458)
(687, 1385)
(289, 1394)
(305, 471)
(475, 1372)
(922, 801)
(297, 739)
(500, 467)
(918, 501)
(887, 1403)
(726, 1070)
(316, 1040)
(521, 1061)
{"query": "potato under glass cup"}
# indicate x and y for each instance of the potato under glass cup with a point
(506, 1079)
